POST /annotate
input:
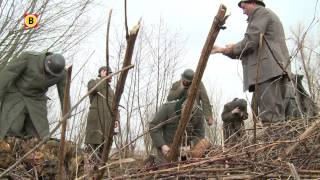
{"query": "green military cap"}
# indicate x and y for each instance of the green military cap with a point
(187, 75)
(54, 64)
(241, 103)
(108, 69)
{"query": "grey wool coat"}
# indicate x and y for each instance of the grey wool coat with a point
(262, 20)
(99, 117)
(23, 85)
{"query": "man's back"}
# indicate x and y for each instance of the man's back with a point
(165, 123)
(22, 93)
(28, 75)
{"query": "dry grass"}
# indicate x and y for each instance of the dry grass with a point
(246, 160)
(241, 160)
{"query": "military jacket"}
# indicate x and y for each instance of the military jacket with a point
(165, 122)
(227, 115)
(99, 117)
(176, 92)
(23, 84)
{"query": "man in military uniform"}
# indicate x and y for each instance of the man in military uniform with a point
(180, 88)
(24, 82)
(265, 69)
(233, 116)
(99, 117)
(305, 104)
(165, 122)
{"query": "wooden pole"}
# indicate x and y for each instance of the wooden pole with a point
(217, 24)
(118, 92)
(66, 107)
(256, 96)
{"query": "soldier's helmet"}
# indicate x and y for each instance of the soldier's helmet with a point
(187, 75)
(108, 69)
(241, 103)
(54, 64)
(260, 2)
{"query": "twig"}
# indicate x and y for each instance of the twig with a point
(107, 38)
(293, 171)
(305, 134)
(128, 160)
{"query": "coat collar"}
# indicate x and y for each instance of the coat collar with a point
(254, 11)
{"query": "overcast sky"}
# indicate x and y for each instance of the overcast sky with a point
(192, 19)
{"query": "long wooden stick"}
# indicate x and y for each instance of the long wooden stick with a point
(108, 108)
(256, 96)
(185, 117)
(66, 107)
(107, 39)
(118, 92)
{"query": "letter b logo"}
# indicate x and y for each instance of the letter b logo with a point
(30, 21)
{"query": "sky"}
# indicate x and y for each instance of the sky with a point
(193, 19)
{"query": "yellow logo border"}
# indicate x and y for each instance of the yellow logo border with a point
(26, 18)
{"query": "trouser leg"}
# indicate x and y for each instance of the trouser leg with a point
(226, 130)
(271, 100)
(29, 127)
(293, 103)
(196, 128)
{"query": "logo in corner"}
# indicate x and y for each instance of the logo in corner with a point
(31, 21)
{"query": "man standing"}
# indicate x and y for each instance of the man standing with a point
(265, 66)
(99, 117)
(233, 116)
(23, 85)
(180, 88)
(165, 123)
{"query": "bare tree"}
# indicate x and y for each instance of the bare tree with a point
(61, 26)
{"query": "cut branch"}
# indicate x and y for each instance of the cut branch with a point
(217, 23)
(118, 92)
(126, 19)
(66, 107)
(107, 38)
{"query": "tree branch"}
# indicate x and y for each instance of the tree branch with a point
(217, 23)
